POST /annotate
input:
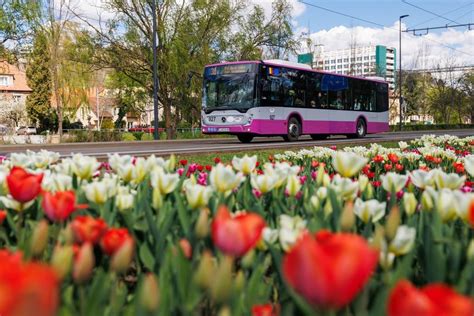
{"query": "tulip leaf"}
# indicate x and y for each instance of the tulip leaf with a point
(183, 215)
(146, 256)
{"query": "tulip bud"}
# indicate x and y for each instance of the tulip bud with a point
(83, 264)
(123, 257)
(320, 176)
(39, 239)
(363, 182)
(186, 248)
(67, 235)
(248, 259)
(222, 285)
(224, 311)
(205, 270)
(347, 217)
(426, 201)
(470, 251)
(315, 203)
(379, 238)
(393, 221)
(409, 203)
(386, 260)
(150, 293)
(327, 208)
(369, 193)
(62, 260)
(202, 225)
(239, 281)
(157, 199)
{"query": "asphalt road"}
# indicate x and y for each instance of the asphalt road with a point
(212, 145)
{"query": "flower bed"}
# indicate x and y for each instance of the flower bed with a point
(359, 231)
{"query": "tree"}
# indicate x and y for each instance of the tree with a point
(467, 88)
(38, 105)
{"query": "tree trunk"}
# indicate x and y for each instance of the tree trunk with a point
(167, 117)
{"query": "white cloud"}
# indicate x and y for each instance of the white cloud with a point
(417, 51)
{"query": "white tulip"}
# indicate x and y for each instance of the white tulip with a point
(421, 178)
(96, 192)
(165, 182)
(43, 158)
(369, 210)
(345, 188)
(290, 230)
(264, 182)
(57, 182)
(124, 199)
(469, 164)
(363, 182)
(84, 167)
(197, 195)
(347, 164)
(21, 160)
(224, 179)
(293, 185)
(11, 203)
(246, 164)
(392, 181)
(270, 235)
(448, 180)
(404, 240)
(402, 145)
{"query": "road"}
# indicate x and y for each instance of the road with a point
(212, 145)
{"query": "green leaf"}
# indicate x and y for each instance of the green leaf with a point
(146, 256)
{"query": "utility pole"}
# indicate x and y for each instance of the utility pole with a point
(156, 81)
(400, 99)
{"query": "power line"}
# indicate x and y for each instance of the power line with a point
(448, 12)
(443, 69)
(468, 12)
(342, 14)
(377, 24)
(430, 12)
(427, 29)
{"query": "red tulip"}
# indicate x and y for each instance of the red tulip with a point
(235, 235)
(3, 216)
(264, 310)
(471, 214)
(88, 229)
(329, 270)
(114, 239)
(24, 186)
(183, 162)
(399, 167)
(378, 159)
(217, 160)
(58, 206)
(27, 288)
(393, 157)
(432, 300)
(388, 167)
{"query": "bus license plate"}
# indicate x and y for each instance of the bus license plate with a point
(223, 129)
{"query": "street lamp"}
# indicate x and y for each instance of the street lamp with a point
(400, 67)
(156, 81)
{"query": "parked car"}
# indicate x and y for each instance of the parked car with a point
(26, 130)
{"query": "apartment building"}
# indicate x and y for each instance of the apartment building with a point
(366, 61)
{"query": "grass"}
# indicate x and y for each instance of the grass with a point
(262, 154)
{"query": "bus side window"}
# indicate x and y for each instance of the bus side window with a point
(294, 86)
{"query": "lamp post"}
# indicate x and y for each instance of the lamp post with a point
(400, 67)
(156, 81)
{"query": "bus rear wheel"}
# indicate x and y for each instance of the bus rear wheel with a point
(361, 129)
(294, 130)
(245, 138)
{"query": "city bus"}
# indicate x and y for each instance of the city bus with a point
(280, 98)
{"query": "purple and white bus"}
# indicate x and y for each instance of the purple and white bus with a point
(279, 98)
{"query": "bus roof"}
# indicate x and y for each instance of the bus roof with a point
(292, 65)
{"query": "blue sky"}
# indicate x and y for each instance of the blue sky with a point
(385, 12)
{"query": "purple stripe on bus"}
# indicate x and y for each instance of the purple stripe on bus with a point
(278, 127)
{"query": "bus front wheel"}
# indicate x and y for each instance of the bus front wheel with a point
(245, 138)
(294, 130)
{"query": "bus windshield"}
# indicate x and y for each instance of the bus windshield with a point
(227, 87)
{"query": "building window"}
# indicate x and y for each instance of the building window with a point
(16, 98)
(372, 57)
(326, 68)
(346, 60)
(4, 81)
(352, 59)
(326, 62)
(339, 60)
(366, 57)
(359, 58)
(333, 67)
(333, 61)
(339, 66)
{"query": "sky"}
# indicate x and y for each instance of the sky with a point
(453, 46)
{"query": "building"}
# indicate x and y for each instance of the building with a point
(366, 61)
(13, 92)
